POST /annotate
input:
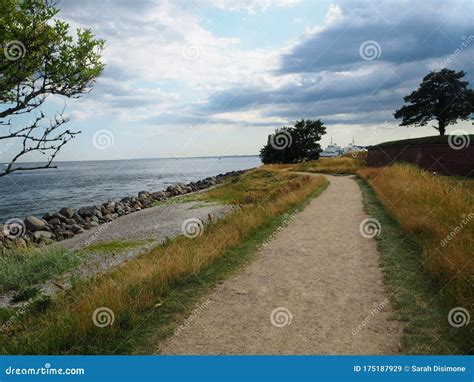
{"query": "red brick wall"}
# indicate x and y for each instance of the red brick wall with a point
(440, 158)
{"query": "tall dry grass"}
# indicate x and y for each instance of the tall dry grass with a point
(438, 212)
(138, 286)
(337, 165)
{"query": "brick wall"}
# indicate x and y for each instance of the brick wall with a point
(440, 158)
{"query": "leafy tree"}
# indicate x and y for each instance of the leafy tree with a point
(441, 96)
(39, 58)
(294, 144)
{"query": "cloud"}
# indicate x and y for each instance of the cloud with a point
(329, 74)
(167, 70)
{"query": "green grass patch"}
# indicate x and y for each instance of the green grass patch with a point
(252, 186)
(178, 199)
(413, 293)
(115, 246)
(21, 269)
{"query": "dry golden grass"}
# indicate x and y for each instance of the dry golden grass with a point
(432, 208)
(337, 165)
(138, 286)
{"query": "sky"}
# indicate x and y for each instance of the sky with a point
(215, 77)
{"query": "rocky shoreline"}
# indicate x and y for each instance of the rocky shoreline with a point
(68, 222)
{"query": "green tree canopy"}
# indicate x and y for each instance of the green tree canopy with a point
(294, 144)
(441, 96)
(39, 58)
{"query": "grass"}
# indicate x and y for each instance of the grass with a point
(21, 269)
(142, 288)
(414, 296)
(339, 165)
(177, 199)
(114, 246)
(253, 187)
(428, 209)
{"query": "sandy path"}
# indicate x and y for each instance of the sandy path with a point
(323, 273)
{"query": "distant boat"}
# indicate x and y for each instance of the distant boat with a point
(333, 150)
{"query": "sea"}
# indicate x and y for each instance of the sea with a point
(82, 183)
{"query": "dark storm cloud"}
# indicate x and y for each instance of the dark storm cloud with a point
(333, 77)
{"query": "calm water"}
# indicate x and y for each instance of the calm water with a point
(77, 184)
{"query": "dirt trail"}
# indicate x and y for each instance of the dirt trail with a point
(318, 280)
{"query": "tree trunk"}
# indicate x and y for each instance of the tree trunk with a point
(441, 127)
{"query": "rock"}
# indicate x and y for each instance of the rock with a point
(70, 221)
(59, 216)
(47, 216)
(32, 223)
(67, 234)
(54, 222)
(41, 235)
(111, 206)
(19, 243)
(93, 224)
(78, 219)
(88, 211)
(159, 195)
(76, 229)
(67, 212)
(108, 218)
(144, 194)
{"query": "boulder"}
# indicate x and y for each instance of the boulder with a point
(159, 195)
(54, 222)
(32, 223)
(67, 212)
(70, 221)
(76, 229)
(47, 216)
(108, 218)
(59, 216)
(78, 219)
(144, 194)
(88, 211)
(41, 235)
(93, 224)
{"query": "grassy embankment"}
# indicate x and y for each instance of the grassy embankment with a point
(426, 274)
(148, 295)
(339, 165)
